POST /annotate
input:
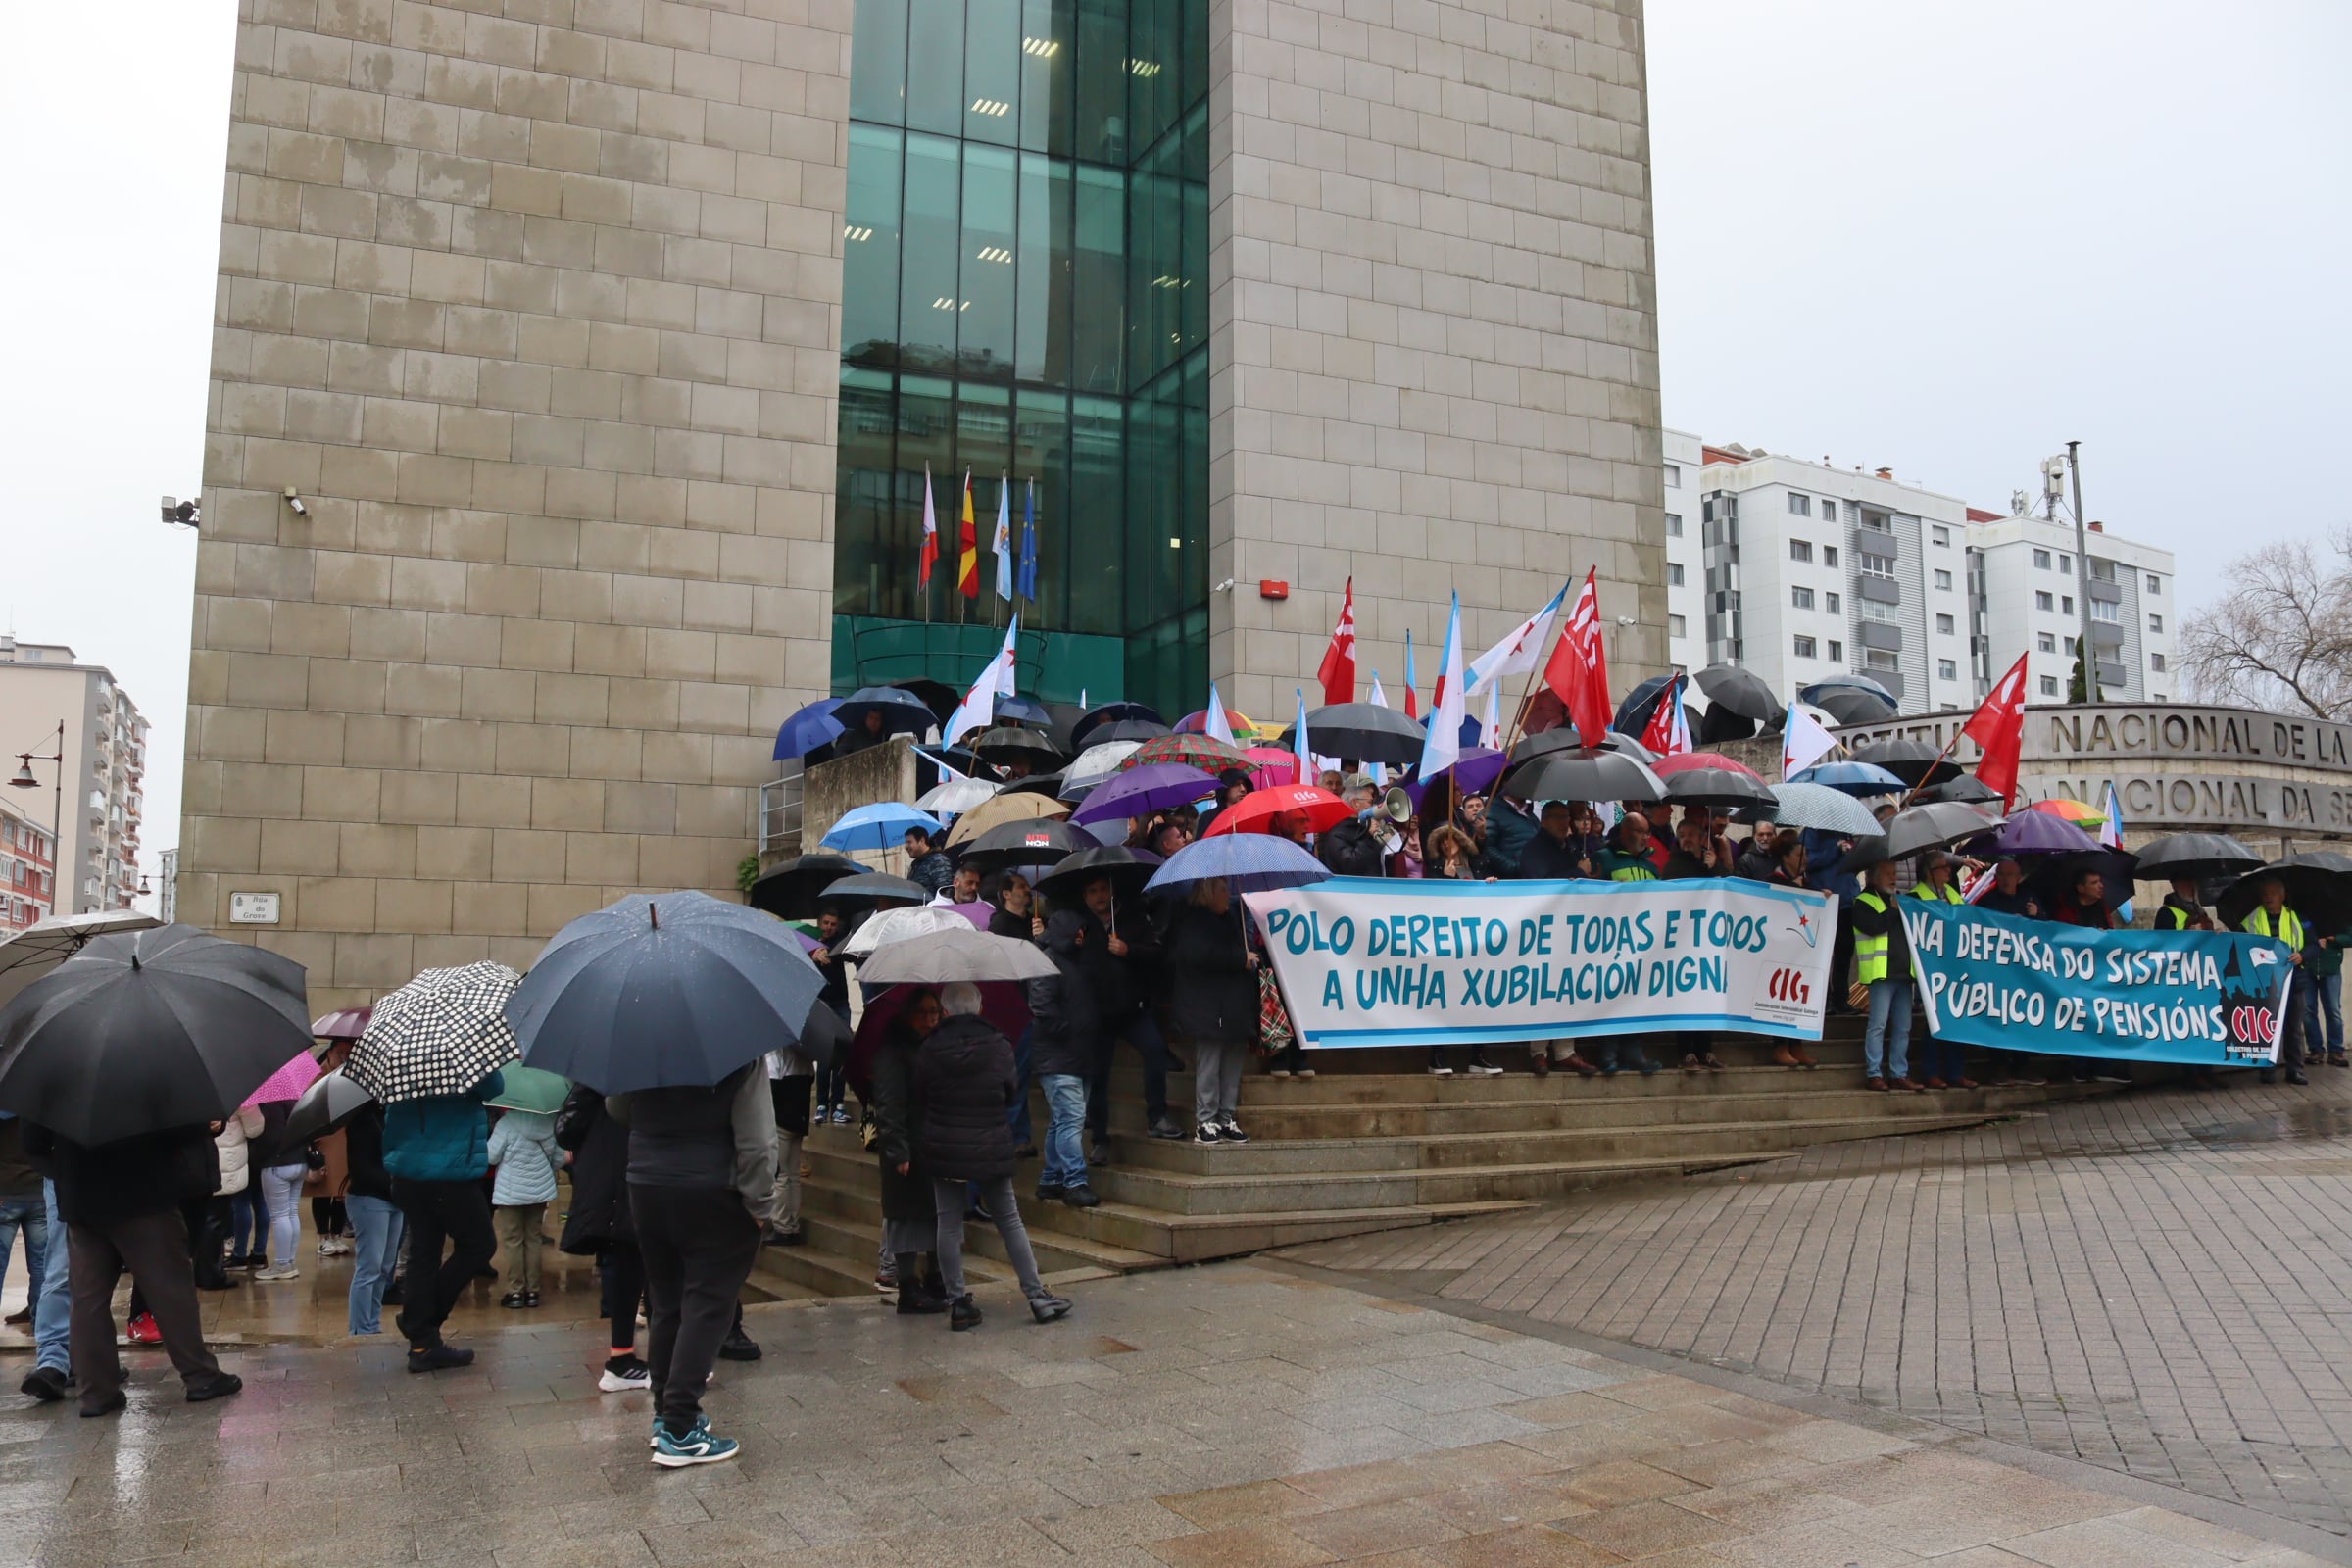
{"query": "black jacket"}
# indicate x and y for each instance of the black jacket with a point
(1062, 1008)
(895, 1106)
(1350, 850)
(2000, 903)
(1543, 858)
(1119, 986)
(1753, 863)
(1683, 863)
(363, 1153)
(1003, 922)
(965, 1088)
(1211, 992)
(600, 1160)
(102, 1185)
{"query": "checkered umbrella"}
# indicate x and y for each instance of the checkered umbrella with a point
(440, 1034)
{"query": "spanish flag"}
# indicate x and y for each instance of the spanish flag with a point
(967, 546)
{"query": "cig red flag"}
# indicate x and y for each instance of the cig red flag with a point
(1579, 671)
(1998, 727)
(922, 579)
(1338, 669)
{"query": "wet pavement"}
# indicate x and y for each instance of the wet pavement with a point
(2157, 1283)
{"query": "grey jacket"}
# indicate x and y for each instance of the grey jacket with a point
(724, 1136)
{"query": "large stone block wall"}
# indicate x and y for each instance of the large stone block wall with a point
(536, 305)
(1433, 327)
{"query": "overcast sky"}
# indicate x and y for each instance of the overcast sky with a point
(1941, 238)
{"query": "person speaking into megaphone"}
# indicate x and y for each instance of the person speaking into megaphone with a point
(1350, 847)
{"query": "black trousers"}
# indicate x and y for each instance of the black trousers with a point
(624, 1288)
(452, 1213)
(155, 1249)
(699, 1245)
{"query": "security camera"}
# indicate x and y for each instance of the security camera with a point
(181, 513)
(1625, 620)
(295, 501)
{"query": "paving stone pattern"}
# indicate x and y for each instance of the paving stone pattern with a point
(1230, 1416)
(2156, 1283)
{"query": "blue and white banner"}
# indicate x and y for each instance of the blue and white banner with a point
(2198, 998)
(1366, 961)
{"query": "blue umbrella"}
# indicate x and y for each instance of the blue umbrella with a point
(1250, 863)
(1023, 711)
(1851, 778)
(880, 826)
(666, 990)
(805, 731)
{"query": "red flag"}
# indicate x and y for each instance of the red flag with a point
(1666, 734)
(1338, 669)
(1579, 671)
(968, 543)
(1998, 727)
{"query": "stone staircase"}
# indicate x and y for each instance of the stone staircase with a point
(1373, 1142)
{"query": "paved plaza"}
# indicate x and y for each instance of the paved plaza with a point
(2154, 1283)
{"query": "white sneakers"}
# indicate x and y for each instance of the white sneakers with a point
(271, 1276)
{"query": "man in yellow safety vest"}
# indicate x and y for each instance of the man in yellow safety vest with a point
(2273, 918)
(1882, 963)
(1946, 1063)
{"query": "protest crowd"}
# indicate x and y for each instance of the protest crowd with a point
(1073, 900)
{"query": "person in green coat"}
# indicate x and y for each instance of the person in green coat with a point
(2325, 961)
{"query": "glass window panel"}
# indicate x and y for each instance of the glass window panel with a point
(1192, 260)
(1042, 351)
(1156, 239)
(1041, 453)
(1049, 56)
(935, 66)
(1097, 499)
(870, 531)
(1097, 280)
(869, 304)
(1101, 133)
(926, 447)
(985, 306)
(992, 69)
(928, 298)
(878, 62)
(984, 451)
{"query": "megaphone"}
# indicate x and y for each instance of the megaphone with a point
(1397, 805)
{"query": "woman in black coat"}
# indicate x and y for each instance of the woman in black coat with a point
(908, 1224)
(964, 1084)
(1212, 1000)
(599, 1226)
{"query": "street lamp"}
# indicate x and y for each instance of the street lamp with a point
(57, 805)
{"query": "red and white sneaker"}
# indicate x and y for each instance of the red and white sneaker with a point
(142, 1330)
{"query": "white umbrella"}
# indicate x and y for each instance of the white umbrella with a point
(956, 797)
(1095, 765)
(1819, 807)
(945, 958)
(897, 925)
(45, 944)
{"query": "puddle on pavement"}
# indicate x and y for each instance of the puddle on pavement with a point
(2302, 1123)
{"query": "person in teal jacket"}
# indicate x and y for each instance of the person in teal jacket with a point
(437, 1151)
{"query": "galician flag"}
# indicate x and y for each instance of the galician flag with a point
(1216, 726)
(1299, 743)
(1003, 540)
(1803, 742)
(978, 710)
(2111, 832)
(967, 546)
(1377, 699)
(1443, 748)
(922, 580)
(1518, 653)
(1490, 734)
(1027, 586)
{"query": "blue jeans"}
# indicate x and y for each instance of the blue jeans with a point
(1023, 1131)
(1064, 1149)
(28, 1215)
(1887, 1043)
(281, 1200)
(249, 1218)
(375, 1227)
(53, 1310)
(2330, 989)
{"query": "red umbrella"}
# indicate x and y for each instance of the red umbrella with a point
(1683, 762)
(1005, 1004)
(1256, 813)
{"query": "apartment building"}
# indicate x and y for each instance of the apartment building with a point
(1799, 570)
(48, 698)
(28, 869)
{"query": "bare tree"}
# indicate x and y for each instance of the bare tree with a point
(2281, 637)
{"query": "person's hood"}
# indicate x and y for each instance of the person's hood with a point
(1062, 929)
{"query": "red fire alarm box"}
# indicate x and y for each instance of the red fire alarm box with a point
(1273, 588)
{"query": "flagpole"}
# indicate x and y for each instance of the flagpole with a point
(1938, 763)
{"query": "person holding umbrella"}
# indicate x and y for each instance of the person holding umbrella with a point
(2274, 920)
(1946, 1061)
(910, 1215)
(1883, 964)
(1118, 959)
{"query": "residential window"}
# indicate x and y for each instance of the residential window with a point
(1837, 651)
(1673, 526)
(1943, 579)
(1833, 602)
(1943, 625)
(1829, 555)
(1673, 574)
(1800, 550)
(1799, 506)
(2106, 611)
(1804, 648)
(1881, 659)
(1941, 537)
(2101, 571)
(2074, 646)
(1877, 566)
(2049, 685)
(1802, 598)
(2041, 561)
(2043, 601)
(2066, 603)
(2045, 642)
(2066, 564)
(1674, 626)
(2156, 624)
(2155, 585)
(1828, 509)
(2156, 663)
(1947, 669)
(1673, 476)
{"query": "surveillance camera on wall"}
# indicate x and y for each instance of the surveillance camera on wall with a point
(179, 513)
(295, 501)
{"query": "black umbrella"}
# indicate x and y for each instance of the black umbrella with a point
(1915, 762)
(2195, 858)
(2319, 889)
(1041, 841)
(331, 1101)
(1365, 731)
(1741, 691)
(1127, 729)
(1851, 705)
(938, 696)
(1564, 739)
(1128, 870)
(658, 991)
(1917, 830)
(1009, 743)
(825, 1035)
(1046, 784)
(1718, 787)
(1968, 790)
(792, 888)
(903, 712)
(1082, 729)
(149, 1030)
(1641, 706)
(1579, 774)
(1720, 723)
(875, 887)
(2052, 884)
(1062, 722)
(1844, 680)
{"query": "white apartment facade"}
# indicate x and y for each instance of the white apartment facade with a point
(1799, 570)
(102, 799)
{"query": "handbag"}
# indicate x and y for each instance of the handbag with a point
(1274, 1032)
(869, 1131)
(1857, 996)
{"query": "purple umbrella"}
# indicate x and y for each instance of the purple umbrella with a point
(2038, 833)
(1479, 768)
(1141, 791)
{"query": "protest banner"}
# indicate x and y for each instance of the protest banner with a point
(1367, 961)
(2195, 998)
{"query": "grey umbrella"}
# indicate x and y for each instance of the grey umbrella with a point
(1741, 691)
(876, 887)
(2195, 858)
(1006, 743)
(1717, 787)
(1917, 830)
(45, 944)
(1365, 731)
(1851, 705)
(1915, 762)
(1821, 807)
(331, 1101)
(946, 957)
(1584, 775)
(662, 991)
